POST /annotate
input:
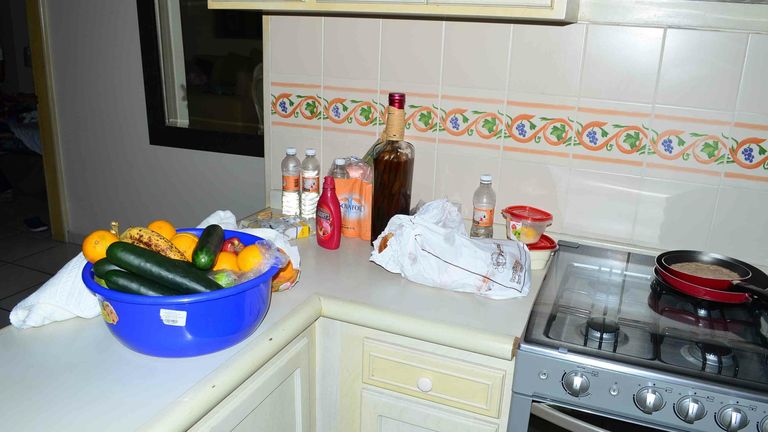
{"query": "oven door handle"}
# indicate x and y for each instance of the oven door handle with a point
(546, 412)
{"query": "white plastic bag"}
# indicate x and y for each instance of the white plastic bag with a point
(432, 248)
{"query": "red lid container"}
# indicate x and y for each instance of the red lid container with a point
(526, 213)
(545, 243)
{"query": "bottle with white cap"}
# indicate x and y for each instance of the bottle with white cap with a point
(339, 169)
(291, 167)
(310, 183)
(484, 203)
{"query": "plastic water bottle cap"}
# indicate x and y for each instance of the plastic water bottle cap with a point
(290, 151)
(485, 178)
(310, 152)
(340, 161)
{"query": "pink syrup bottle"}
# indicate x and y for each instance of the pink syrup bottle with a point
(328, 216)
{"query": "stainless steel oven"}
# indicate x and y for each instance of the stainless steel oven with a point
(610, 347)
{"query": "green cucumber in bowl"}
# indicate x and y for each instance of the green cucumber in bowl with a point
(175, 274)
(208, 247)
(123, 281)
(102, 266)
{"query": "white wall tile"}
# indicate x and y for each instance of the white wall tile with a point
(476, 55)
(601, 205)
(674, 215)
(701, 69)
(410, 53)
(541, 186)
(296, 45)
(458, 175)
(620, 63)
(740, 227)
(351, 49)
(546, 59)
(753, 94)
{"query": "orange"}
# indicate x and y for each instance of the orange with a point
(95, 245)
(226, 261)
(185, 242)
(284, 278)
(249, 257)
(163, 227)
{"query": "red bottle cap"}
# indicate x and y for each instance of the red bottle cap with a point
(329, 182)
(397, 100)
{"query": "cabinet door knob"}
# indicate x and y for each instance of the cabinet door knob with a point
(424, 384)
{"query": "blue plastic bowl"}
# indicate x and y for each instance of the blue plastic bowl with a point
(186, 325)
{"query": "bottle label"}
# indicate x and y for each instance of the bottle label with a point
(395, 126)
(324, 222)
(482, 217)
(290, 183)
(310, 184)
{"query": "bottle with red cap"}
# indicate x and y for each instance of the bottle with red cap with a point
(393, 161)
(328, 216)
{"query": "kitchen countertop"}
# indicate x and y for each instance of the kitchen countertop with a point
(74, 375)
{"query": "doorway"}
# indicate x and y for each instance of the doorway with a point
(29, 176)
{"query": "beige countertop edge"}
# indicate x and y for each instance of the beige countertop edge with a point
(215, 387)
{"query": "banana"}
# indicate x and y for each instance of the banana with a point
(151, 240)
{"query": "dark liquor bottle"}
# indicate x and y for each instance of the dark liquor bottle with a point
(392, 168)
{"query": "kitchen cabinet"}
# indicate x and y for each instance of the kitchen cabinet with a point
(277, 398)
(548, 10)
(371, 380)
(383, 412)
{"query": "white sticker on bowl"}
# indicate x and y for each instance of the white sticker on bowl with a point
(173, 317)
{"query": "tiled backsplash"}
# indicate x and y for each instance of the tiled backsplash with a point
(639, 135)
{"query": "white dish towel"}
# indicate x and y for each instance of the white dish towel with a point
(65, 295)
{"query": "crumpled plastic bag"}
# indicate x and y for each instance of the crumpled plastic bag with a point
(432, 248)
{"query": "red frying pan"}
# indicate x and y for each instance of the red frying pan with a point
(668, 260)
(702, 287)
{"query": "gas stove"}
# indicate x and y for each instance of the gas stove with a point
(606, 337)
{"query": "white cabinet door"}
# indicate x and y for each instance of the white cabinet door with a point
(274, 399)
(383, 412)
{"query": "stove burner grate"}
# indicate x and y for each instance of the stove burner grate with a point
(603, 331)
(711, 358)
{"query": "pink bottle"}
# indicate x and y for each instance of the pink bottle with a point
(328, 216)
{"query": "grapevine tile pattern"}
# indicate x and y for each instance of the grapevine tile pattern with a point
(604, 138)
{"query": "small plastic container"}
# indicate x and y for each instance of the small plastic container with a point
(541, 251)
(525, 223)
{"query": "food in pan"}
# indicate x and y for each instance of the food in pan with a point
(710, 271)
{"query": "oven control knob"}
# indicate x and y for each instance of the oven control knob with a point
(649, 400)
(690, 409)
(764, 425)
(576, 383)
(731, 418)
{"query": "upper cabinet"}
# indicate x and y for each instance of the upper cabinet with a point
(546, 10)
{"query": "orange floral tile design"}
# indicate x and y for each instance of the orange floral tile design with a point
(603, 138)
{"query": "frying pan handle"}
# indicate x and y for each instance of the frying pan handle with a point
(756, 291)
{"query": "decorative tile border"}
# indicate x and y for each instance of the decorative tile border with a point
(598, 136)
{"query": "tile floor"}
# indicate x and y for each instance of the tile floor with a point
(27, 259)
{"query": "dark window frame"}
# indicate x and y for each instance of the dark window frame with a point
(160, 134)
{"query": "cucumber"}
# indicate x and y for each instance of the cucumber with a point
(102, 266)
(175, 274)
(208, 247)
(122, 281)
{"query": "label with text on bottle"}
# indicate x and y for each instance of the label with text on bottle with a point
(324, 222)
(290, 183)
(310, 184)
(482, 217)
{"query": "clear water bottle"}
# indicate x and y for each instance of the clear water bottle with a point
(484, 203)
(310, 184)
(339, 169)
(291, 168)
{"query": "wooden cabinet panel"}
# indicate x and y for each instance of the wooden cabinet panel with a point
(382, 412)
(460, 384)
(277, 398)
